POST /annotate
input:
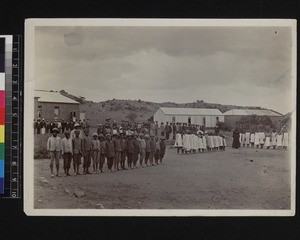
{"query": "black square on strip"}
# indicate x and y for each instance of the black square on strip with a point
(2, 54)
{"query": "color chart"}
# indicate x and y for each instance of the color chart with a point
(2, 115)
(10, 105)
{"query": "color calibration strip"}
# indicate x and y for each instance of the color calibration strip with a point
(2, 111)
(11, 112)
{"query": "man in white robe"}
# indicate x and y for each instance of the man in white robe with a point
(178, 142)
(262, 137)
(274, 139)
(285, 141)
(279, 140)
(247, 138)
(256, 139)
(252, 139)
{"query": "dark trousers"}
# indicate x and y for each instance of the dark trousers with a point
(167, 135)
(123, 158)
(162, 154)
(102, 161)
(147, 157)
(67, 160)
(156, 156)
(87, 159)
(130, 159)
(110, 162)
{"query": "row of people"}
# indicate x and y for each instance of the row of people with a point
(116, 150)
(191, 143)
(264, 139)
(42, 126)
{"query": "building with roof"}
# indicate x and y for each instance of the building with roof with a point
(234, 115)
(200, 116)
(52, 105)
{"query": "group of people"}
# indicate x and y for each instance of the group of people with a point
(261, 139)
(118, 149)
(42, 126)
(192, 142)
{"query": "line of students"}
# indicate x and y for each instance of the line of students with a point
(115, 148)
(261, 139)
(189, 142)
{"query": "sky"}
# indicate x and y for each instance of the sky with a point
(248, 66)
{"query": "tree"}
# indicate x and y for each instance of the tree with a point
(131, 116)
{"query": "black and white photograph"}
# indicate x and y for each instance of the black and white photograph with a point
(160, 117)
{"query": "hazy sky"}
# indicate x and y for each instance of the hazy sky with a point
(229, 65)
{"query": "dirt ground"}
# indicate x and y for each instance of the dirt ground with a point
(242, 178)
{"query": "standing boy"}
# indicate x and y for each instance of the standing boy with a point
(130, 150)
(142, 147)
(157, 151)
(67, 152)
(110, 152)
(162, 147)
(147, 150)
(87, 149)
(95, 152)
(77, 151)
(54, 150)
(118, 151)
(152, 149)
(136, 150)
(124, 150)
(102, 152)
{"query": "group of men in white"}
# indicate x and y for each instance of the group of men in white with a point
(268, 140)
(189, 142)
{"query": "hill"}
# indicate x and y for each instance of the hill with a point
(143, 110)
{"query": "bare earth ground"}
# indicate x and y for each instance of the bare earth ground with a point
(235, 179)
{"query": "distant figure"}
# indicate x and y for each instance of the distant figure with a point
(236, 139)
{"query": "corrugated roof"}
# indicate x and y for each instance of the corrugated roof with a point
(191, 111)
(53, 97)
(247, 112)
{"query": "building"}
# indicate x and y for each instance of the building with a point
(234, 115)
(200, 116)
(52, 105)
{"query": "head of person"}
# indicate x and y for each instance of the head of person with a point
(101, 137)
(108, 137)
(54, 132)
(95, 136)
(77, 132)
(147, 136)
(86, 131)
(67, 134)
(141, 136)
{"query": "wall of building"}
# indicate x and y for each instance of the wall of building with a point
(210, 121)
(65, 110)
(232, 119)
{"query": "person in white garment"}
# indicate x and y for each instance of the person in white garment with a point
(220, 139)
(256, 139)
(201, 146)
(279, 140)
(209, 142)
(224, 143)
(285, 141)
(252, 139)
(243, 139)
(247, 139)
(204, 137)
(268, 140)
(193, 139)
(178, 142)
(187, 142)
(274, 139)
(216, 142)
(262, 137)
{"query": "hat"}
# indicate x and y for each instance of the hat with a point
(141, 135)
(147, 136)
(76, 125)
(101, 135)
(86, 130)
(107, 135)
(95, 134)
(67, 132)
(162, 138)
(55, 130)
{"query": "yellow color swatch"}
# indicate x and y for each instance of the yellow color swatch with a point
(2, 133)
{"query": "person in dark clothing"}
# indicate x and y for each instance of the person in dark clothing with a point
(167, 130)
(236, 139)
(162, 149)
(130, 150)
(38, 126)
(136, 150)
(110, 152)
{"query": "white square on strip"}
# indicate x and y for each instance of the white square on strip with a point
(2, 81)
